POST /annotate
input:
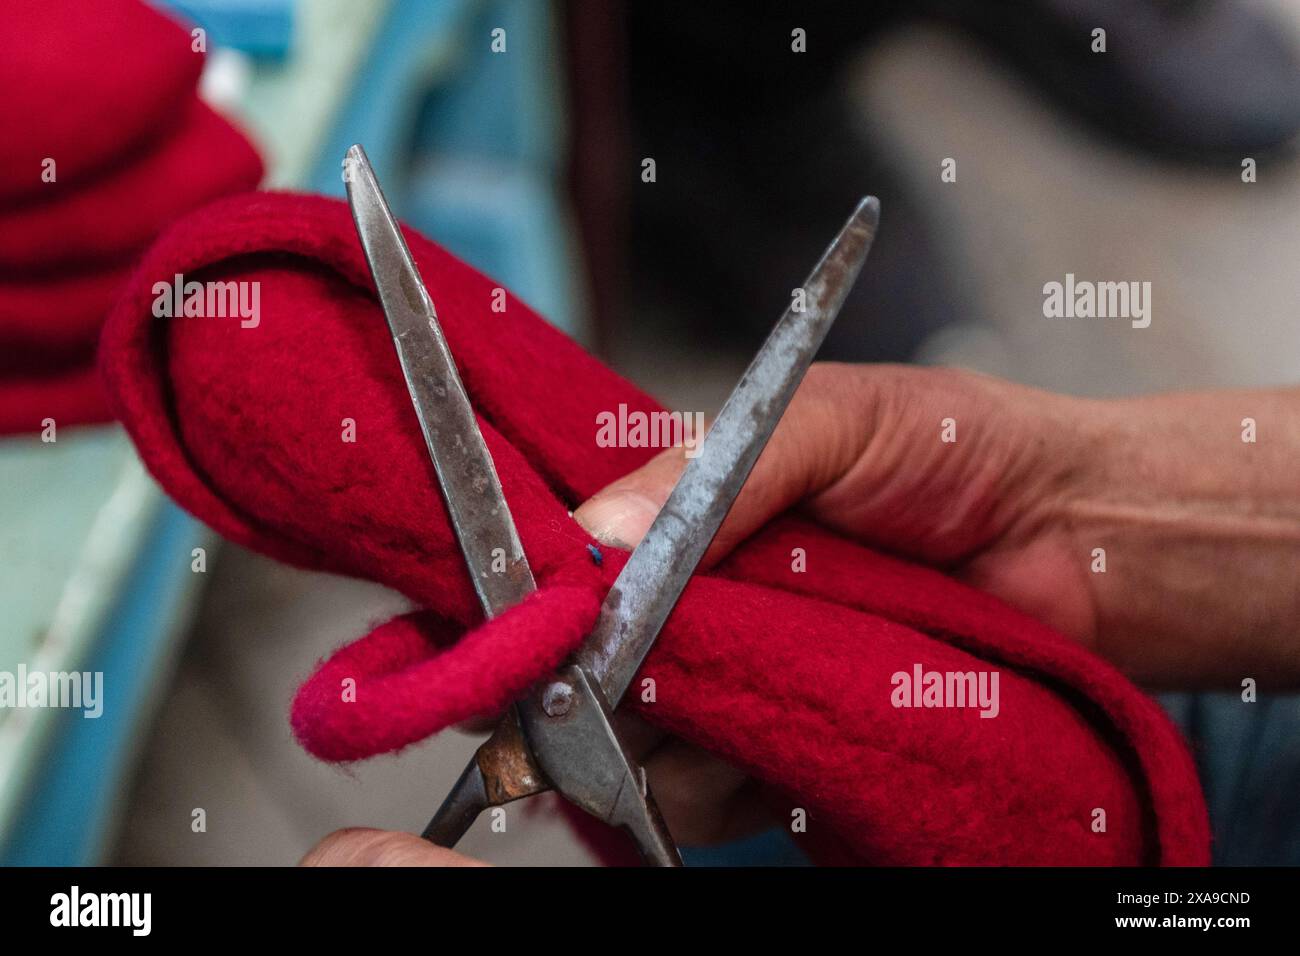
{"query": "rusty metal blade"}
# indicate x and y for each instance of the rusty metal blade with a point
(466, 474)
(653, 578)
(503, 768)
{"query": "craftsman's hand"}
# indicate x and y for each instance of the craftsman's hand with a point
(1200, 529)
(1201, 534)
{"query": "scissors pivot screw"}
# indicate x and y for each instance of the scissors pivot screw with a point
(557, 698)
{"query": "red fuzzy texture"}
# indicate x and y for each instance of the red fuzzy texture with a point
(106, 90)
(120, 211)
(85, 82)
(398, 663)
(71, 395)
(56, 315)
(786, 675)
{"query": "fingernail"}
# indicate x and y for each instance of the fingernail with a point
(619, 519)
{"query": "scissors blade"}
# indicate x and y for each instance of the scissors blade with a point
(647, 589)
(503, 768)
(465, 471)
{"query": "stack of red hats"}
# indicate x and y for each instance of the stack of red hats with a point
(106, 143)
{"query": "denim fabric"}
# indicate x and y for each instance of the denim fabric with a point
(1248, 755)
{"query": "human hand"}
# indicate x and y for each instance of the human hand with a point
(1200, 530)
(1201, 533)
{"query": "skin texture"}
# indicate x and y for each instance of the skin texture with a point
(361, 846)
(1200, 529)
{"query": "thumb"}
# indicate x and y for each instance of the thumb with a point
(859, 449)
(360, 846)
(817, 440)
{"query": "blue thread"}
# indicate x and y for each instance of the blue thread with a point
(596, 555)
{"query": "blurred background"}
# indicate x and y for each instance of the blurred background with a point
(765, 122)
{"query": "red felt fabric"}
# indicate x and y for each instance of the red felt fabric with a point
(202, 156)
(70, 394)
(58, 314)
(107, 90)
(785, 674)
(85, 82)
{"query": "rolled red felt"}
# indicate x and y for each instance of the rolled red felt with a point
(56, 314)
(295, 436)
(67, 395)
(113, 215)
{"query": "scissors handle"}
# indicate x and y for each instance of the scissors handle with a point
(504, 769)
(501, 770)
(468, 798)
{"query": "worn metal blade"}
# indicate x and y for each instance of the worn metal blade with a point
(653, 578)
(503, 768)
(466, 474)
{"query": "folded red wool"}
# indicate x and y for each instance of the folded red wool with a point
(85, 83)
(296, 437)
(115, 214)
(106, 91)
(70, 393)
(59, 314)
(48, 330)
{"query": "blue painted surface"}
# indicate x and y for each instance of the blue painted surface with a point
(505, 106)
(82, 778)
(417, 42)
(508, 224)
(261, 28)
(467, 142)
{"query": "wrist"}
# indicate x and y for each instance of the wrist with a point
(1198, 533)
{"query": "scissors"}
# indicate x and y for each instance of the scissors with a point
(559, 735)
